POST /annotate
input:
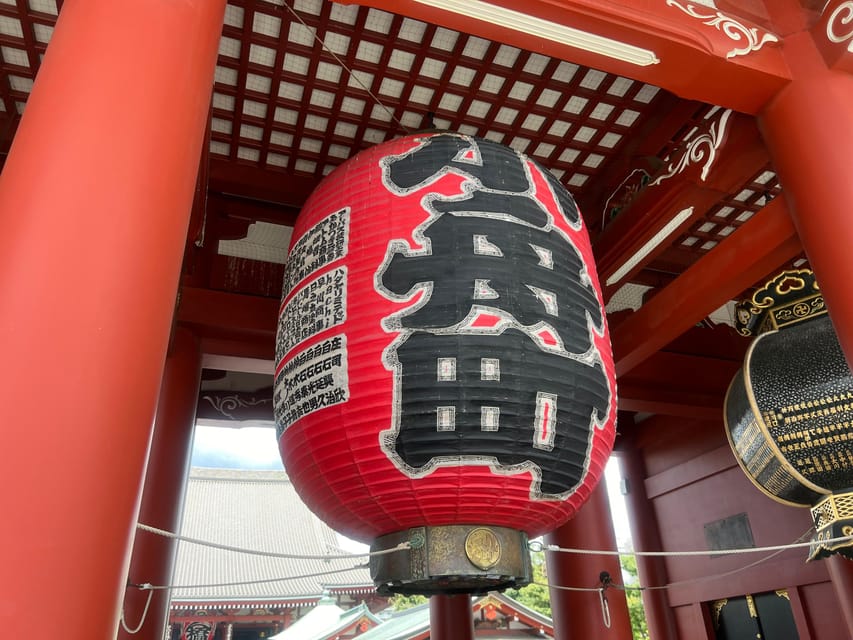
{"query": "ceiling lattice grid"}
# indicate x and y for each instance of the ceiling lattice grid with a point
(302, 85)
(300, 90)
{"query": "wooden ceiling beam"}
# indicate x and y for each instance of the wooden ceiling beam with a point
(230, 324)
(741, 154)
(252, 183)
(641, 152)
(679, 384)
(764, 243)
(251, 210)
(661, 401)
(686, 371)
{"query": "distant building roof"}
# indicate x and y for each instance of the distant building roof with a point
(401, 625)
(515, 621)
(327, 620)
(520, 614)
(257, 510)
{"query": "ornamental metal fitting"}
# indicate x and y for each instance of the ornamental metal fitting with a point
(789, 298)
(833, 520)
(451, 559)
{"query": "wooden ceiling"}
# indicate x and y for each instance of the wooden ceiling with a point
(677, 191)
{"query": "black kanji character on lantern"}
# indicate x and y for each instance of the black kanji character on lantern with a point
(501, 180)
(497, 363)
(471, 398)
(536, 276)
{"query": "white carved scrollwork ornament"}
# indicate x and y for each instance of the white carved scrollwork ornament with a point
(701, 148)
(839, 27)
(733, 29)
(225, 405)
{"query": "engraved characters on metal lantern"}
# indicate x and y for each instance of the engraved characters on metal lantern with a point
(789, 411)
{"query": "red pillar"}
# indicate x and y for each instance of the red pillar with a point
(841, 573)
(578, 615)
(95, 196)
(153, 556)
(450, 617)
(646, 537)
(808, 128)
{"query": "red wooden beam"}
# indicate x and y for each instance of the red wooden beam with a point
(639, 152)
(230, 324)
(275, 187)
(252, 209)
(682, 404)
(831, 36)
(760, 246)
(686, 55)
(740, 154)
(676, 384)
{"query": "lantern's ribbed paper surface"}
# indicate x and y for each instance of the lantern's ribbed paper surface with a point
(442, 354)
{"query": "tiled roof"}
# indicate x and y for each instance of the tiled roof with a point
(401, 625)
(324, 621)
(257, 510)
(522, 613)
(411, 623)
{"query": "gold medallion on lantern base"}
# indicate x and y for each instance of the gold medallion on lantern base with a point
(451, 559)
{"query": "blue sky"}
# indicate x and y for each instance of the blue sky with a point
(229, 448)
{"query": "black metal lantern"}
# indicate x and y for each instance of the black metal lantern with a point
(789, 410)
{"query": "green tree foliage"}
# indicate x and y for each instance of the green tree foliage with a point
(537, 597)
(635, 602)
(399, 602)
(536, 594)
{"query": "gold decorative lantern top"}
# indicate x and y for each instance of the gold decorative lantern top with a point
(791, 297)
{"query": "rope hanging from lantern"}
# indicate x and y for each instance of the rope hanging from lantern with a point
(151, 588)
(605, 581)
(147, 586)
(719, 576)
(136, 629)
(535, 546)
(604, 578)
(538, 546)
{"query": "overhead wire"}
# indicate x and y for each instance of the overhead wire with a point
(776, 550)
(675, 554)
(346, 68)
(270, 554)
(152, 588)
(533, 546)
(146, 586)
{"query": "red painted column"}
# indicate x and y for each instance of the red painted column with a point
(646, 537)
(578, 615)
(841, 573)
(450, 617)
(808, 128)
(95, 196)
(153, 556)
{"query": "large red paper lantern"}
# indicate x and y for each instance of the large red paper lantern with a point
(443, 362)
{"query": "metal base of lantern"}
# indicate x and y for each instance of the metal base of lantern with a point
(833, 518)
(451, 559)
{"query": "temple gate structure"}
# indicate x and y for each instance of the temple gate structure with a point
(155, 155)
